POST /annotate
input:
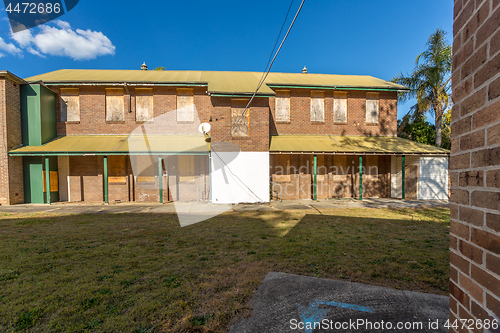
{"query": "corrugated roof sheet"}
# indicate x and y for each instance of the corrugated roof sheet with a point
(349, 144)
(218, 82)
(118, 145)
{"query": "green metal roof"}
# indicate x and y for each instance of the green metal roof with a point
(118, 145)
(340, 144)
(218, 83)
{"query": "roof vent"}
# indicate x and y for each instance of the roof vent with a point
(304, 70)
(144, 67)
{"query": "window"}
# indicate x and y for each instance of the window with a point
(114, 104)
(70, 104)
(185, 105)
(185, 168)
(117, 169)
(240, 122)
(145, 168)
(282, 108)
(339, 107)
(372, 107)
(318, 106)
(143, 104)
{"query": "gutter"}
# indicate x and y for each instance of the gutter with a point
(335, 87)
(13, 77)
(130, 84)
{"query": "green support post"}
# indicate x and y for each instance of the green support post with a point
(315, 175)
(403, 180)
(361, 177)
(47, 178)
(160, 177)
(106, 200)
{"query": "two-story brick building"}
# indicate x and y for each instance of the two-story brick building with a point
(132, 135)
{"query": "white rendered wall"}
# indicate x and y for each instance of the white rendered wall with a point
(244, 179)
(433, 178)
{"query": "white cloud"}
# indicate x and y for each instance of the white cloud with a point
(63, 41)
(9, 48)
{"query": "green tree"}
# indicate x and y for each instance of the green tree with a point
(429, 82)
(418, 129)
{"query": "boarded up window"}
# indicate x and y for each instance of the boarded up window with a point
(70, 104)
(54, 181)
(117, 169)
(185, 168)
(282, 168)
(282, 99)
(372, 107)
(340, 107)
(240, 122)
(185, 105)
(317, 106)
(143, 104)
(114, 104)
(145, 169)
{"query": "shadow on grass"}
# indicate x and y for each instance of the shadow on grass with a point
(144, 273)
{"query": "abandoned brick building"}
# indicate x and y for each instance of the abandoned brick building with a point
(132, 135)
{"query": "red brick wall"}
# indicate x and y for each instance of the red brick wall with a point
(214, 110)
(87, 176)
(300, 121)
(475, 162)
(338, 176)
(11, 168)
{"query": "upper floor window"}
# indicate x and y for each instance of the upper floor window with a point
(372, 107)
(70, 104)
(114, 104)
(240, 123)
(185, 105)
(318, 106)
(282, 107)
(340, 107)
(143, 104)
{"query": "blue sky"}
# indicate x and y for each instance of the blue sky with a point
(378, 38)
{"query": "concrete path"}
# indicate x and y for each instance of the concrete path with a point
(293, 303)
(84, 208)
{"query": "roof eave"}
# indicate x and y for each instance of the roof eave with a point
(12, 77)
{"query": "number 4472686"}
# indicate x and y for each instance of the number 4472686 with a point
(472, 324)
(33, 8)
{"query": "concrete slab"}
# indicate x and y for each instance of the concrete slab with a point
(293, 303)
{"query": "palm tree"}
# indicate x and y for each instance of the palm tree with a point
(429, 82)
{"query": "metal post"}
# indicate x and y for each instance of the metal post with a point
(106, 179)
(210, 174)
(160, 177)
(47, 179)
(403, 180)
(315, 173)
(360, 177)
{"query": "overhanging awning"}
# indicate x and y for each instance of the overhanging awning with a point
(78, 145)
(340, 144)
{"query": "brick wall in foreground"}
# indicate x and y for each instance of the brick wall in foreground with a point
(11, 168)
(475, 162)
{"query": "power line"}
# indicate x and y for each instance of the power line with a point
(266, 73)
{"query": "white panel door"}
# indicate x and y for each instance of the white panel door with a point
(433, 178)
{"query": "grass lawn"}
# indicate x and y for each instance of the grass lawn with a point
(144, 273)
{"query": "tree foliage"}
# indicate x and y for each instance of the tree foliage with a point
(420, 130)
(429, 83)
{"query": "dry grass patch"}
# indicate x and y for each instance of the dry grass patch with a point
(143, 273)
